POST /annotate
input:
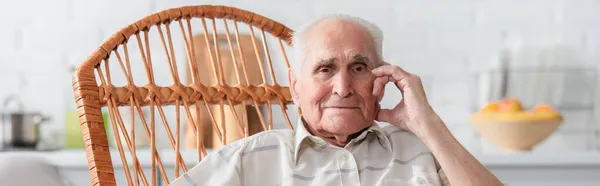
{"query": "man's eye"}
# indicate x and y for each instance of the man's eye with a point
(359, 68)
(324, 70)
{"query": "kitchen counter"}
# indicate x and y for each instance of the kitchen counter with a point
(539, 160)
(515, 169)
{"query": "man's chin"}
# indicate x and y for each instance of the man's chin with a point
(346, 126)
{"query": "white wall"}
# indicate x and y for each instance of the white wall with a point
(443, 41)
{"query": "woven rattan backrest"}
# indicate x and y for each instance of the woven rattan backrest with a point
(121, 78)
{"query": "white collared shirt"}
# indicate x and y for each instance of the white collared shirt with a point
(381, 155)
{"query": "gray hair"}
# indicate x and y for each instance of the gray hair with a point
(299, 41)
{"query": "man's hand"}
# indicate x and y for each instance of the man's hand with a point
(414, 109)
(415, 114)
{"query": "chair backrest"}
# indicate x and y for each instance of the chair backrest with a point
(186, 80)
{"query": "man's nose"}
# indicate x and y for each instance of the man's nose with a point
(342, 85)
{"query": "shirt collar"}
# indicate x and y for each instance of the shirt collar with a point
(301, 135)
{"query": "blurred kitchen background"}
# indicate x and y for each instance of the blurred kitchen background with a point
(459, 48)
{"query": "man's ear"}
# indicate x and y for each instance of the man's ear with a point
(293, 87)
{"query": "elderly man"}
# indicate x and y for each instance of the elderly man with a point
(337, 81)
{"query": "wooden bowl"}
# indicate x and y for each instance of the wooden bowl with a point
(518, 131)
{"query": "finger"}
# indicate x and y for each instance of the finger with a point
(379, 85)
(380, 96)
(401, 78)
(395, 72)
(384, 115)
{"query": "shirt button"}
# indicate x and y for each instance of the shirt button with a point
(421, 181)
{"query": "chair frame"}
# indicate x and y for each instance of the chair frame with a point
(91, 96)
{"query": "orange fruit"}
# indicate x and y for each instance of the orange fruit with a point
(511, 105)
(491, 107)
(543, 108)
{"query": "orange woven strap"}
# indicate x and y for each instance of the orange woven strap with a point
(195, 93)
(205, 11)
(132, 90)
(108, 91)
(200, 91)
(153, 91)
(247, 91)
(179, 92)
(277, 91)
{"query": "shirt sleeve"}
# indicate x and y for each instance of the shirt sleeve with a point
(220, 167)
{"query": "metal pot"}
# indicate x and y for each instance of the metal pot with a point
(20, 129)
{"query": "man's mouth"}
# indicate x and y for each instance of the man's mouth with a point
(341, 107)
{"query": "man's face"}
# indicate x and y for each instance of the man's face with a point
(335, 85)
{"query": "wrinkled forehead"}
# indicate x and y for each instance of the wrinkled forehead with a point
(340, 43)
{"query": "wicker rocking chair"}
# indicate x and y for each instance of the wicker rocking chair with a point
(125, 75)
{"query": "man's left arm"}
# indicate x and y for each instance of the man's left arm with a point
(458, 165)
(414, 113)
